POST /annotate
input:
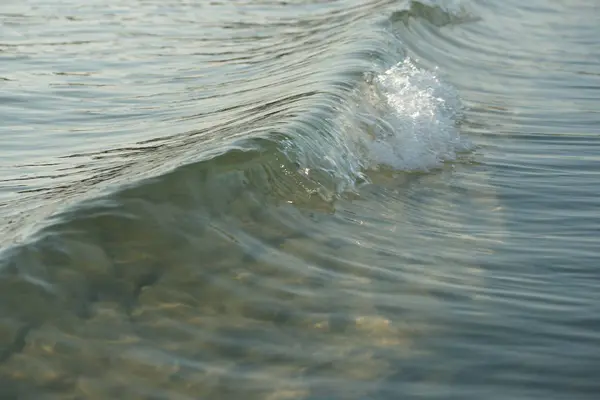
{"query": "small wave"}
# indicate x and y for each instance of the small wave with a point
(360, 105)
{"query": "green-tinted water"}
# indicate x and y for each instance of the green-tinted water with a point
(299, 200)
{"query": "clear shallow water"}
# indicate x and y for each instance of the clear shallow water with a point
(301, 200)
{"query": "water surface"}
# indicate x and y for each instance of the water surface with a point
(299, 200)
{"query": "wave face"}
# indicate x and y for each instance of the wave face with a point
(298, 200)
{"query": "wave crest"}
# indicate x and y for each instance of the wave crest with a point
(403, 117)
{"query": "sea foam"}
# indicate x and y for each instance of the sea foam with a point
(415, 124)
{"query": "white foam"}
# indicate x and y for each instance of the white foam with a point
(416, 119)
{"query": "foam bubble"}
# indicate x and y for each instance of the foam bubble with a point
(416, 119)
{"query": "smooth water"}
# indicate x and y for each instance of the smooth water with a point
(299, 200)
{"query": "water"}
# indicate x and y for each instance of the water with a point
(299, 200)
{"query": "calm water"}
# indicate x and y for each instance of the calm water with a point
(306, 199)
